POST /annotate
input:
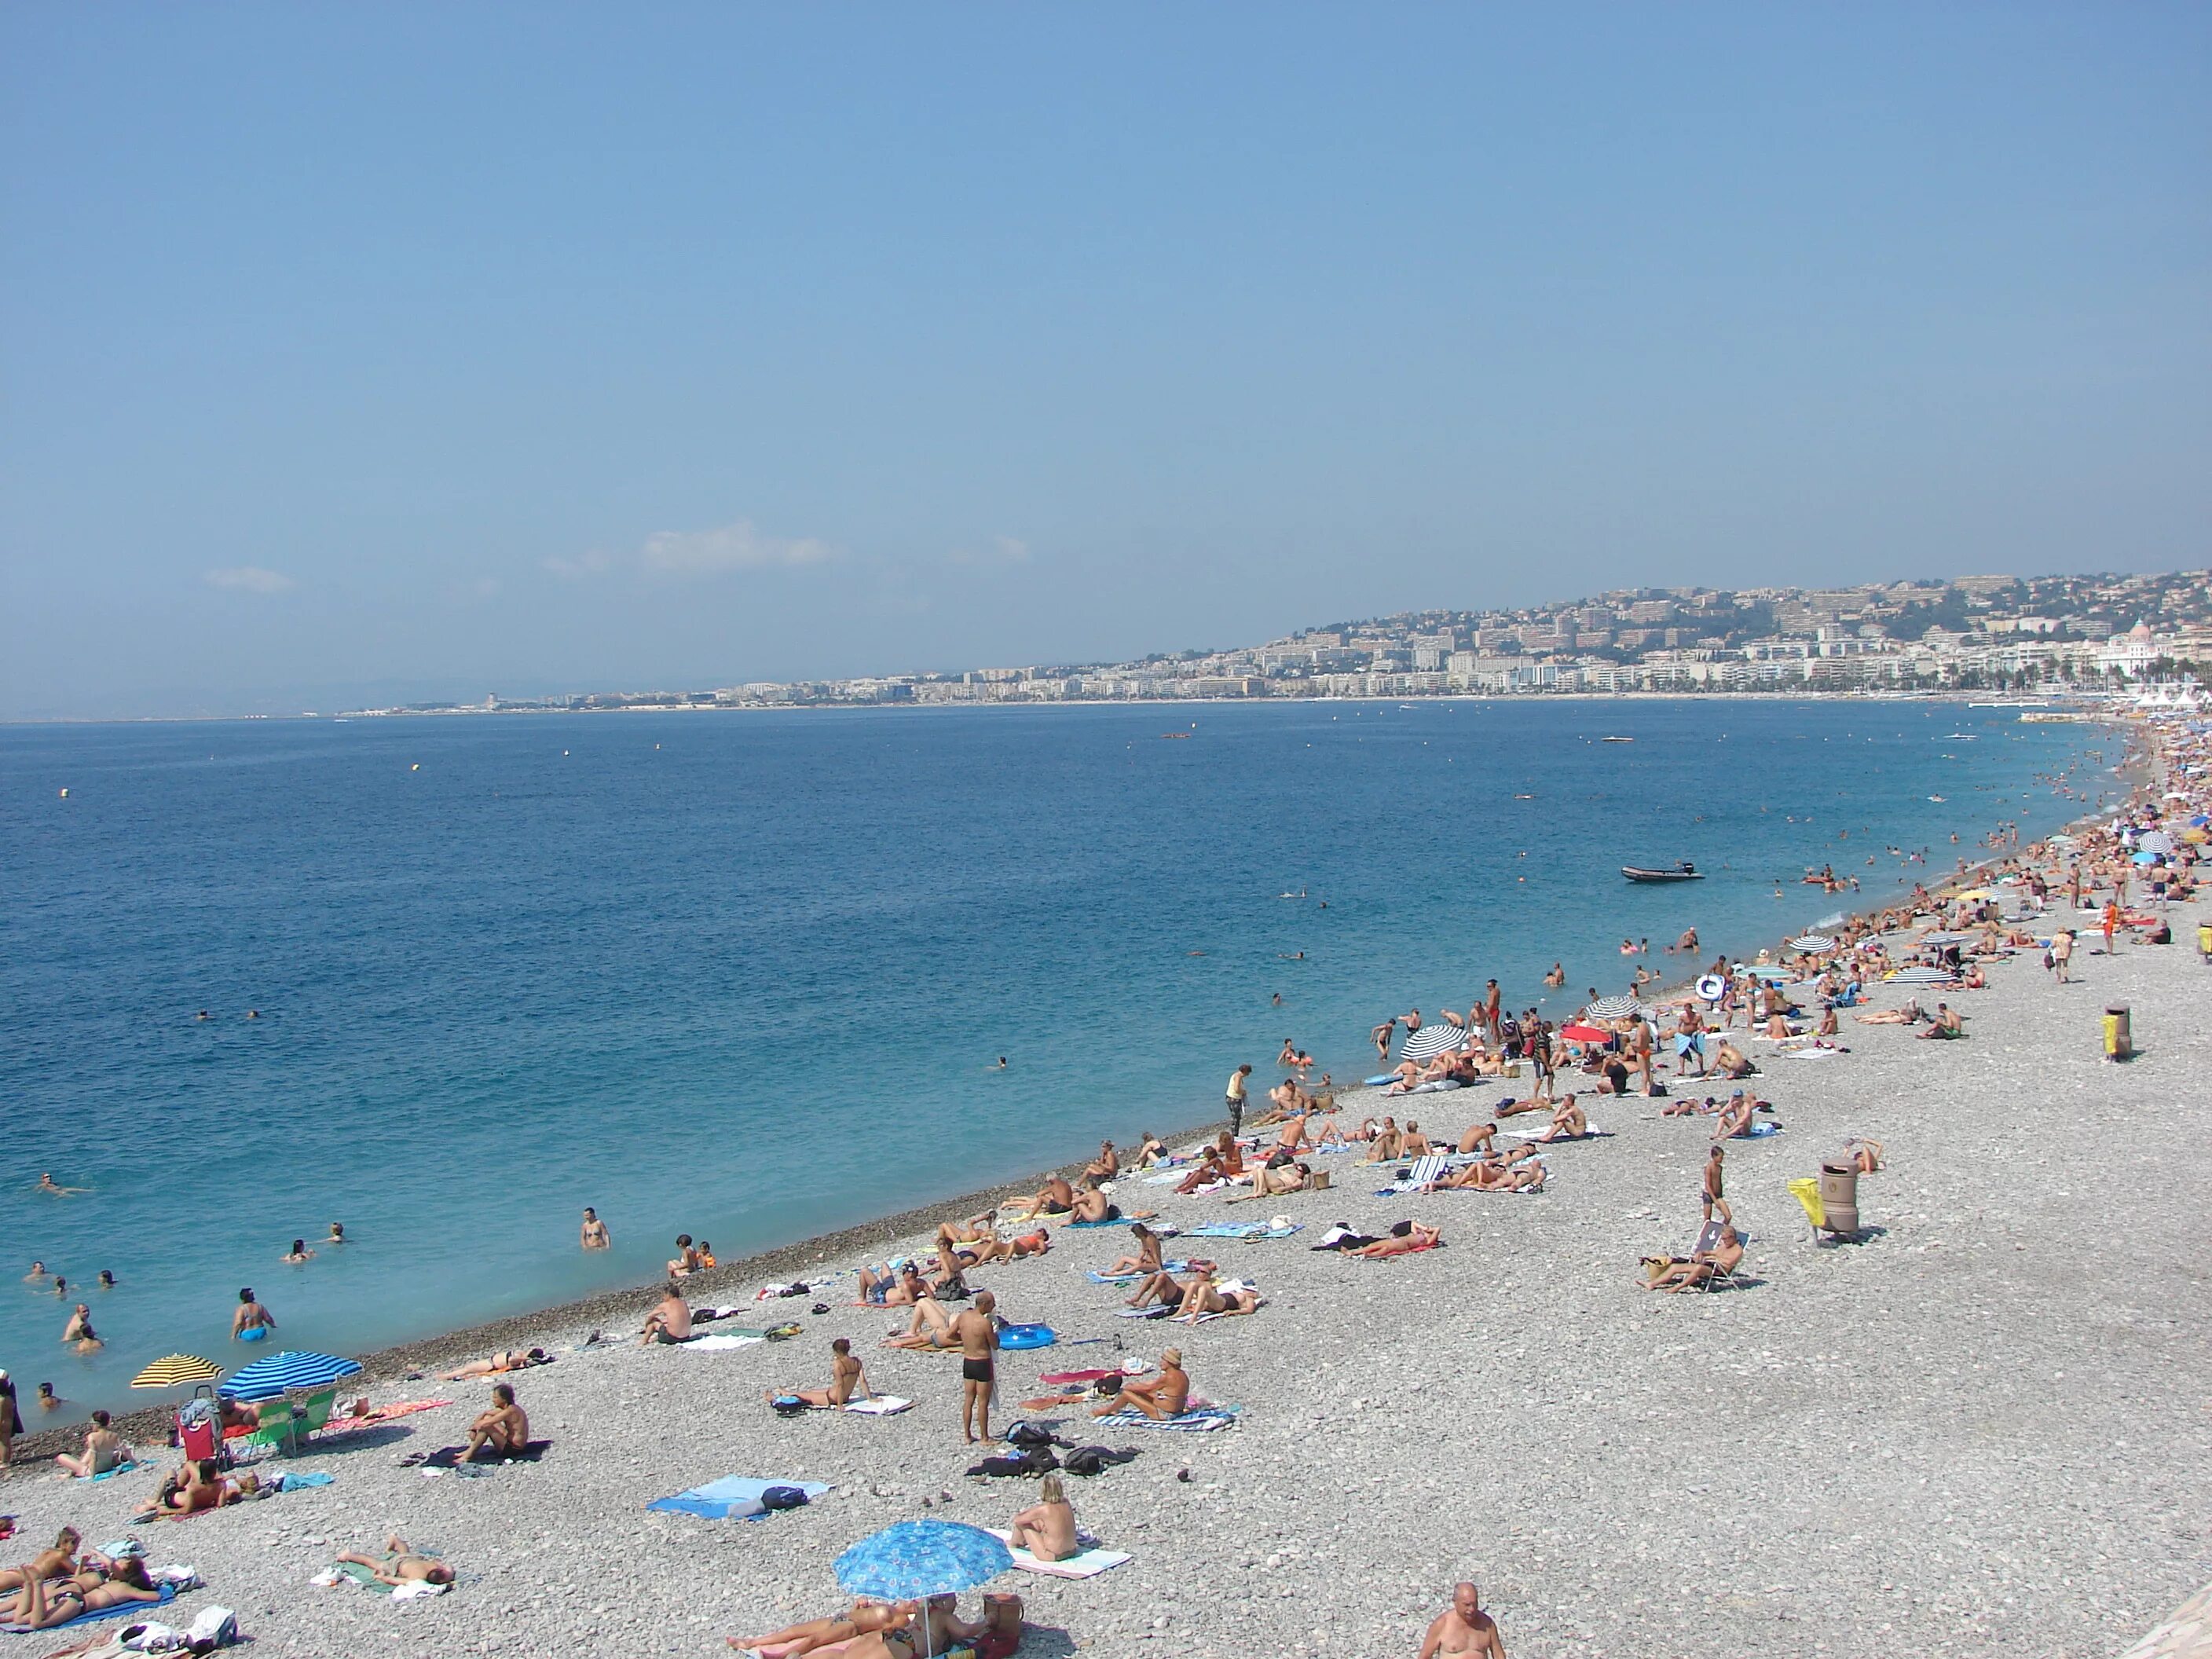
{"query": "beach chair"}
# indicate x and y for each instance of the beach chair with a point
(286, 1423)
(1708, 1237)
(1424, 1169)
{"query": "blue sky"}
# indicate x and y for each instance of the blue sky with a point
(441, 350)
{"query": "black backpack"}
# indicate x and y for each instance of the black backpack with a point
(1096, 1459)
(783, 1497)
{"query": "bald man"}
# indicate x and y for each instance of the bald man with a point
(1463, 1629)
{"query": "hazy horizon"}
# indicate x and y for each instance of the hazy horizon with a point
(411, 353)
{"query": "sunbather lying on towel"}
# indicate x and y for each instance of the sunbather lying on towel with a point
(1416, 1238)
(1165, 1288)
(1010, 1249)
(58, 1562)
(1866, 1154)
(1056, 1198)
(1270, 1180)
(1701, 1268)
(42, 1605)
(863, 1618)
(847, 1380)
(1231, 1296)
(930, 1327)
(512, 1360)
(898, 1285)
(400, 1563)
(502, 1428)
(1908, 1015)
(669, 1320)
(1160, 1396)
(1494, 1176)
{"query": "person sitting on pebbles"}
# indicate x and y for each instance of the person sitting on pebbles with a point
(503, 1427)
(670, 1322)
(847, 1380)
(1569, 1122)
(1159, 1397)
(1147, 1257)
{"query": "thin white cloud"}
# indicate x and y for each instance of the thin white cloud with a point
(250, 578)
(594, 564)
(737, 546)
(1002, 550)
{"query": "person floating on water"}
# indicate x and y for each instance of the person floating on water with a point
(48, 1184)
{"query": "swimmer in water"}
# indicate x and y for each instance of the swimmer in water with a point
(1001, 1066)
(202, 1014)
(299, 1252)
(38, 1272)
(594, 1234)
(253, 1013)
(337, 1233)
(106, 1280)
(250, 1315)
(47, 1184)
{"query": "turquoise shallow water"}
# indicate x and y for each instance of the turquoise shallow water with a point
(745, 976)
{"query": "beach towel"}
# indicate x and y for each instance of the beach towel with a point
(1203, 1420)
(448, 1457)
(884, 1404)
(1756, 1131)
(1091, 1375)
(339, 1573)
(124, 1468)
(126, 1610)
(720, 1342)
(1088, 1563)
(380, 1414)
(1116, 1221)
(1248, 1230)
(733, 1497)
(1159, 1311)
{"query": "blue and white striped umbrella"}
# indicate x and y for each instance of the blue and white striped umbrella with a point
(1613, 1008)
(1430, 1040)
(1946, 937)
(1923, 976)
(266, 1379)
(1813, 943)
(909, 1559)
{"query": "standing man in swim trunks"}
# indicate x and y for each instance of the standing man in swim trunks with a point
(1234, 1097)
(978, 1334)
(1464, 1630)
(1712, 1195)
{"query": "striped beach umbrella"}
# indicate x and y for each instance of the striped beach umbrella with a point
(1430, 1040)
(1813, 942)
(1947, 938)
(176, 1370)
(1613, 1008)
(265, 1379)
(1923, 976)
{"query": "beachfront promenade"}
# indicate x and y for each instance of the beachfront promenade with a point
(1983, 1431)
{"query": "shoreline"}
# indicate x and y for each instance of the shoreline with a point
(628, 1304)
(2079, 705)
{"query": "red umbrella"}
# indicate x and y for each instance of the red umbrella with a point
(1584, 1034)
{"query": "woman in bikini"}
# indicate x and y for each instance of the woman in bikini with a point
(54, 1562)
(42, 1605)
(510, 1360)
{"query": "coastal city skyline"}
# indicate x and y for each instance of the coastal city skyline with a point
(1974, 633)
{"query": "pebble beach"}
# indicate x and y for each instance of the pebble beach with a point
(1981, 1428)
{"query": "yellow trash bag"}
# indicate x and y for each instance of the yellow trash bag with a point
(1807, 1191)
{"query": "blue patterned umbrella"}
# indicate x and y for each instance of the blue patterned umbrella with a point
(265, 1379)
(911, 1559)
(1430, 1040)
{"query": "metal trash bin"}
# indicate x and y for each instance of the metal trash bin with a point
(1839, 1198)
(2119, 1033)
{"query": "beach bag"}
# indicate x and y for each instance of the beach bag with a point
(783, 1497)
(1028, 1434)
(1096, 1459)
(788, 1404)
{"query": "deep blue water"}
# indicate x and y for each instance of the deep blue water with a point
(745, 976)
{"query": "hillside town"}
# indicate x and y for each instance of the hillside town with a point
(2008, 635)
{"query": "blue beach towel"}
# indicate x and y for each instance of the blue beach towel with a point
(1118, 1221)
(134, 1609)
(1248, 1230)
(1098, 1277)
(124, 1468)
(1203, 1420)
(1757, 1131)
(734, 1496)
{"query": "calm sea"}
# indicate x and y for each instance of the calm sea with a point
(748, 976)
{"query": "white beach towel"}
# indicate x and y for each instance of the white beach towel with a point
(1089, 1563)
(720, 1343)
(884, 1404)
